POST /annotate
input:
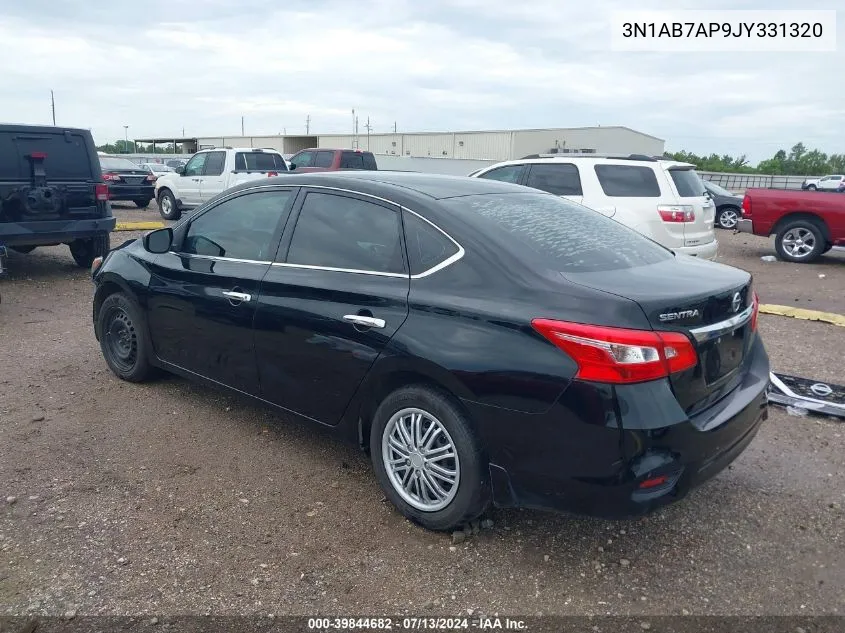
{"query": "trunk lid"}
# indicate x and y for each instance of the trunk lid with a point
(691, 192)
(710, 303)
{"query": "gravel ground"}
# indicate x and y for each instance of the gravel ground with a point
(173, 498)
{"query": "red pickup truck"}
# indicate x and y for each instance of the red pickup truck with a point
(805, 224)
(332, 160)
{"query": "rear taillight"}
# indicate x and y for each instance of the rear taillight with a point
(746, 206)
(676, 213)
(755, 310)
(270, 174)
(110, 177)
(616, 355)
(101, 192)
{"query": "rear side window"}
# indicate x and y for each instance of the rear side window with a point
(554, 233)
(561, 180)
(67, 155)
(687, 182)
(324, 159)
(351, 160)
(427, 245)
(627, 181)
(369, 161)
(508, 173)
(259, 161)
(336, 231)
(214, 163)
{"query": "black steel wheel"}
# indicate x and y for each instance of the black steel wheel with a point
(123, 338)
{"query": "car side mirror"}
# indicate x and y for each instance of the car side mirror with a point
(159, 241)
(292, 166)
(180, 171)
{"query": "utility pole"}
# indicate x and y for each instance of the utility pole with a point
(353, 128)
(308, 125)
(53, 105)
(242, 127)
(368, 126)
(183, 132)
(394, 127)
(126, 139)
(357, 142)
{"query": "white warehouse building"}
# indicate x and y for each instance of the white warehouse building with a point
(459, 152)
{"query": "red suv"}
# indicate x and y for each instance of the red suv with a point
(332, 160)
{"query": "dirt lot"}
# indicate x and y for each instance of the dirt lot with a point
(172, 498)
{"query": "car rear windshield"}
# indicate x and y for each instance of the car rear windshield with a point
(687, 182)
(67, 155)
(716, 189)
(259, 161)
(108, 162)
(555, 232)
(357, 160)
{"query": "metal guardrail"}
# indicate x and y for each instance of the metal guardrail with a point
(741, 182)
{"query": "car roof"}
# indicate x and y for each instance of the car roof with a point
(610, 160)
(334, 149)
(432, 186)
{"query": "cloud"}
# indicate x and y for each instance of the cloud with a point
(436, 65)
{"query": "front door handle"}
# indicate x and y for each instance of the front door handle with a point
(365, 321)
(237, 296)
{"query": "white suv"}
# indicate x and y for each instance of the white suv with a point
(663, 199)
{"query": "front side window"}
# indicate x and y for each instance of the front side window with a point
(508, 173)
(337, 231)
(556, 178)
(240, 228)
(628, 181)
(214, 163)
(303, 159)
(196, 165)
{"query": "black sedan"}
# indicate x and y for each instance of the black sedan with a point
(127, 181)
(485, 342)
(728, 205)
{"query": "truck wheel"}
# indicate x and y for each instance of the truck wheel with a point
(800, 241)
(167, 205)
(22, 249)
(86, 250)
(142, 204)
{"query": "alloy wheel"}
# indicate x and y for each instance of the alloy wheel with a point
(421, 459)
(799, 242)
(728, 218)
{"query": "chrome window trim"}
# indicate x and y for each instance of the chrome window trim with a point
(715, 330)
(437, 267)
(221, 259)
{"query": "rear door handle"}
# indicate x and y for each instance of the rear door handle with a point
(237, 296)
(365, 321)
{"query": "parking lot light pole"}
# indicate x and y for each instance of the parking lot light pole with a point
(126, 139)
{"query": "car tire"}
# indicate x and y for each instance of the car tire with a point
(811, 188)
(800, 241)
(167, 205)
(142, 204)
(84, 251)
(440, 492)
(122, 335)
(23, 249)
(727, 217)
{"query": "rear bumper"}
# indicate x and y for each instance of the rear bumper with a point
(131, 192)
(744, 226)
(38, 233)
(705, 251)
(589, 454)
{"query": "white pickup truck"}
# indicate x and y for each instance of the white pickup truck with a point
(210, 172)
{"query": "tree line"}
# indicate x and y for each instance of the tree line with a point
(797, 162)
(128, 147)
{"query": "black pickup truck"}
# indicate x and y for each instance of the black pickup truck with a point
(52, 192)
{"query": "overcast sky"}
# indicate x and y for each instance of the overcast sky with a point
(163, 65)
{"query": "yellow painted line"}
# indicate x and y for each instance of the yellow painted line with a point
(801, 313)
(138, 226)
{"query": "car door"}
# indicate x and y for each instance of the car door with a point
(331, 303)
(212, 181)
(189, 180)
(560, 179)
(203, 294)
